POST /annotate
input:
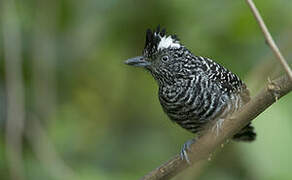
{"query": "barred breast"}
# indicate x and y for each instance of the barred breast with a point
(195, 101)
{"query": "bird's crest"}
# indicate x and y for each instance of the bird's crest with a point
(157, 40)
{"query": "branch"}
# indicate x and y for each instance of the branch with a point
(269, 38)
(209, 141)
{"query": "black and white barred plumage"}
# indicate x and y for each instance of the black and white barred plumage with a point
(194, 91)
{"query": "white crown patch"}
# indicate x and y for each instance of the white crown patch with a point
(167, 42)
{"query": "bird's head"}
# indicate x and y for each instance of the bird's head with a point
(163, 55)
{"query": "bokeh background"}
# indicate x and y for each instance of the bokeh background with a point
(70, 108)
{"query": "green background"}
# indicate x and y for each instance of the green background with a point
(103, 118)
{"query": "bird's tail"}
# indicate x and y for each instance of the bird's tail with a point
(246, 134)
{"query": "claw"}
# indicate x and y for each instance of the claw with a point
(274, 89)
(185, 148)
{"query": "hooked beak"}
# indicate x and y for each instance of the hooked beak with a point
(138, 61)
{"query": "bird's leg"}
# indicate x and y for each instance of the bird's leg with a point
(185, 149)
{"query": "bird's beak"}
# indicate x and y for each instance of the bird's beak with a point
(138, 61)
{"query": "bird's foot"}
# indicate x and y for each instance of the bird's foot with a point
(274, 89)
(185, 149)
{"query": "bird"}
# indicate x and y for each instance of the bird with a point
(194, 91)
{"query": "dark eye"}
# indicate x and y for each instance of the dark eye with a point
(164, 58)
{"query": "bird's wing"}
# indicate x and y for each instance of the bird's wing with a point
(226, 80)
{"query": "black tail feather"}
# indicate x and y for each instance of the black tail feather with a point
(246, 134)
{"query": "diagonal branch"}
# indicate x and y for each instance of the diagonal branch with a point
(209, 141)
(269, 38)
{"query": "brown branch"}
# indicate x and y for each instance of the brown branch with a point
(269, 38)
(209, 141)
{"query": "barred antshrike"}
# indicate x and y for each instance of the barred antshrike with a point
(194, 91)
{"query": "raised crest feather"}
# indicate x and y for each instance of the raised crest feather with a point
(157, 40)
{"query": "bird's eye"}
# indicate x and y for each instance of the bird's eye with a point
(164, 58)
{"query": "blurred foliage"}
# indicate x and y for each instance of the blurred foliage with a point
(104, 118)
